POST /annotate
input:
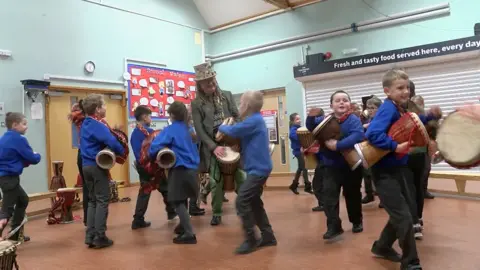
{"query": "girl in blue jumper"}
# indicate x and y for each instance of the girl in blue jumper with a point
(337, 172)
(15, 154)
(295, 122)
(182, 178)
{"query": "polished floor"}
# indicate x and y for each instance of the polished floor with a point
(450, 242)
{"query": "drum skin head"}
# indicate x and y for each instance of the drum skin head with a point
(66, 189)
(231, 156)
(302, 129)
(320, 126)
(458, 139)
(6, 247)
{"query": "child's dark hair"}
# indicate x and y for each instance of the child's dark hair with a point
(92, 102)
(13, 118)
(178, 111)
(292, 118)
(339, 92)
(80, 105)
(140, 111)
(412, 88)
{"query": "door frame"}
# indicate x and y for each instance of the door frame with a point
(88, 90)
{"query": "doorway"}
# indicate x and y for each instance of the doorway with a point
(62, 136)
(275, 101)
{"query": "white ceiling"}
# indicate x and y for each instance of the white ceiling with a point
(218, 12)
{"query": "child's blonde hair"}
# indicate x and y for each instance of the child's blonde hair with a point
(392, 75)
(92, 102)
(254, 100)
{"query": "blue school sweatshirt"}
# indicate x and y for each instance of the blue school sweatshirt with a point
(351, 133)
(15, 154)
(294, 141)
(253, 134)
(377, 131)
(177, 137)
(136, 140)
(94, 137)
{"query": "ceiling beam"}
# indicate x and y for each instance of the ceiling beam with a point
(283, 4)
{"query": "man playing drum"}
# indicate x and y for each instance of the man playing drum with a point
(210, 108)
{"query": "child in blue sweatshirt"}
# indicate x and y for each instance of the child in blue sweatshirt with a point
(94, 137)
(391, 175)
(295, 122)
(257, 163)
(337, 173)
(142, 130)
(15, 154)
(182, 178)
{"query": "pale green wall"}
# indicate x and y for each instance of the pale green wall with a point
(58, 37)
(274, 69)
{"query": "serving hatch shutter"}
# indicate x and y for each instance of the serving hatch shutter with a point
(317, 94)
(448, 85)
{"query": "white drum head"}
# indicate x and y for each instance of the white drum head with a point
(302, 129)
(458, 139)
(66, 189)
(231, 156)
(6, 247)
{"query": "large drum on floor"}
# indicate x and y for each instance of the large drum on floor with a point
(408, 128)
(458, 141)
(8, 255)
(306, 140)
(228, 166)
(67, 195)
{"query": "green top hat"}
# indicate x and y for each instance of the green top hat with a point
(204, 71)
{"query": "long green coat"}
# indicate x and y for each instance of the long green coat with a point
(202, 113)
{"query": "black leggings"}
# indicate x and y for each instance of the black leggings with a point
(417, 163)
(84, 186)
(301, 170)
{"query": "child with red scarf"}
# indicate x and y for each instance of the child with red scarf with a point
(337, 173)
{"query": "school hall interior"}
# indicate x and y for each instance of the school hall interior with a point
(298, 52)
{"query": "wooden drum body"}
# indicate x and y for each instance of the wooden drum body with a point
(105, 159)
(306, 140)
(408, 128)
(222, 138)
(68, 197)
(228, 166)
(328, 129)
(458, 141)
(8, 255)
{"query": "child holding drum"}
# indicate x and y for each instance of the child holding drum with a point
(15, 155)
(258, 165)
(182, 177)
(337, 172)
(391, 174)
(295, 123)
(372, 106)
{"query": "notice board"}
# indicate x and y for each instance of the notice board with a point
(270, 118)
(157, 88)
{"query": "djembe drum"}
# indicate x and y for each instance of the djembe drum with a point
(409, 128)
(329, 129)
(8, 255)
(64, 200)
(228, 166)
(458, 141)
(58, 180)
(152, 167)
(106, 158)
(306, 140)
(166, 158)
(227, 140)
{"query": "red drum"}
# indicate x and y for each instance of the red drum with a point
(65, 199)
(408, 128)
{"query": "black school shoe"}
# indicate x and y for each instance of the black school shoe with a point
(179, 230)
(247, 247)
(216, 220)
(333, 233)
(368, 199)
(140, 224)
(385, 253)
(293, 187)
(357, 228)
(267, 241)
(102, 242)
(318, 208)
(411, 267)
(184, 239)
(196, 211)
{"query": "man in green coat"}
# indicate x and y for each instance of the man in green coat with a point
(210, 108)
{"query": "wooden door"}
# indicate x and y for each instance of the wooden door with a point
(276, 100)
(63, 137)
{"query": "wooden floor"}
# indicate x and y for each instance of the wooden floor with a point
(450, 242)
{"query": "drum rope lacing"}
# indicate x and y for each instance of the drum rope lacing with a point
(410, 136)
